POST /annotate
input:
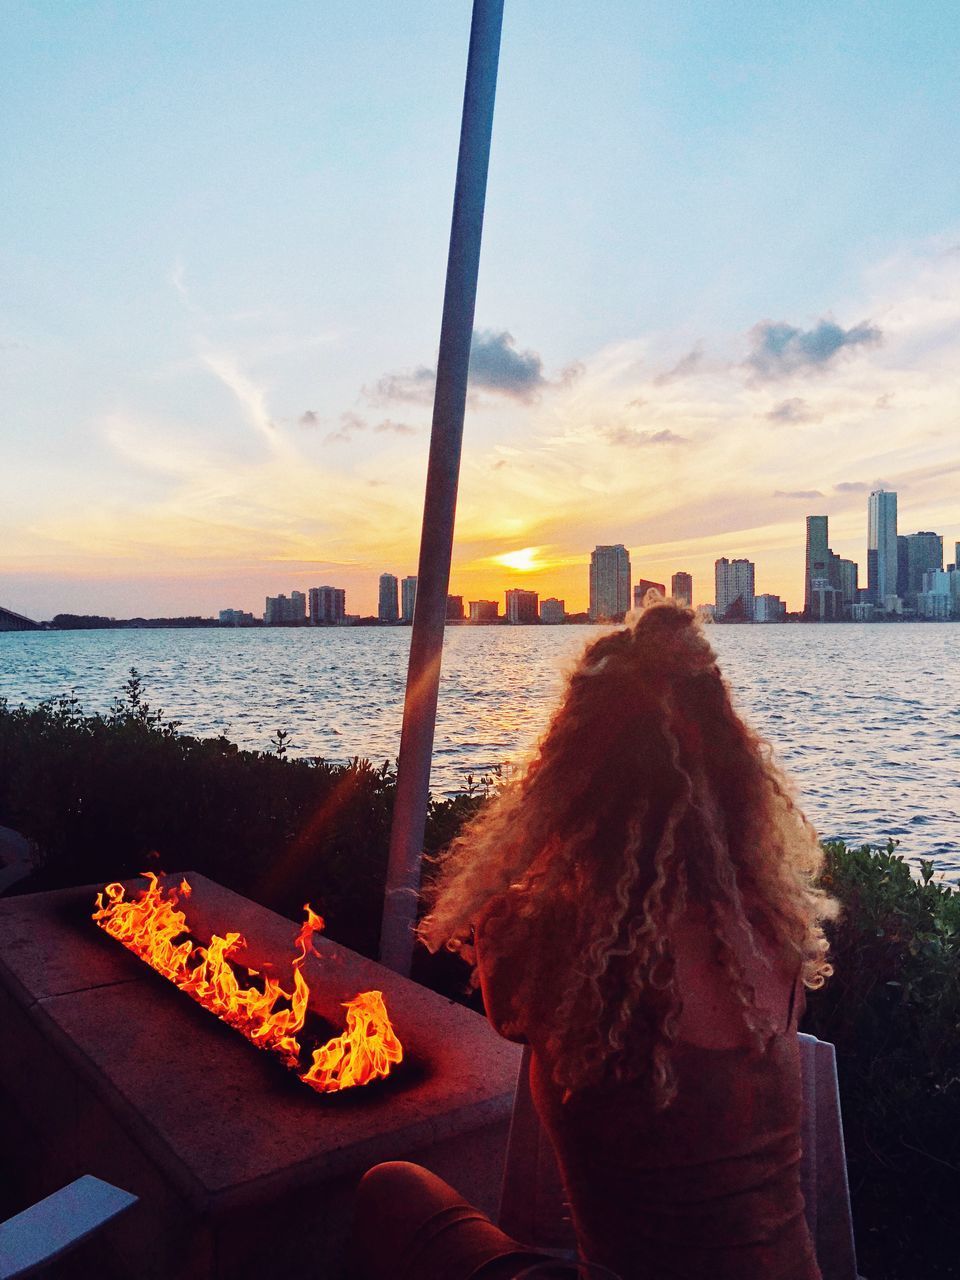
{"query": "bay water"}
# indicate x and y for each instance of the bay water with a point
(866, 719)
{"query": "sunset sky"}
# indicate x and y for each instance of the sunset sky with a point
(719, 291)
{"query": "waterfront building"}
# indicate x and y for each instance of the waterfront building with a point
(817, 565)
(862, 611)
(956, 555)
(681, 589)
(388, 608)
(408, 598)
(734, 581)
(484, 611)
(826, 602)
(882, 546)
(923, 553)
(935, 600)
(236, 618)
(523, 606)
(328, 606)
(552, 610)
(769, 608)
(283, 611)
(454, 609)
(849, 576)
(707, 612)
(609, 583)
(642, 586)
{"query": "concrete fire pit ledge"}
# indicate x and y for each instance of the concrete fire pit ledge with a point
(241, 1169)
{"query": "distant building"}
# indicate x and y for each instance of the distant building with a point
(642, 586)
(236, 618)
(817, 564)
(768, 608)
(552, 610)
(882, 546)
(484, 610)
(388, 608)
(935, 600)
(681, 589)
(956, 555)
(923, 552)
(734, 581)
(826, 602)
(609, 582)
(283, 611)
(707, 612)
(849, 587)
(454, 609)
(408, 598)
(328, 606)
(523, 606)
(863, 611)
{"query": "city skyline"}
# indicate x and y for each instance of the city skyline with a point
(218, 353)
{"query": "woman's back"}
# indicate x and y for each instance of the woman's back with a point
(707, 1188)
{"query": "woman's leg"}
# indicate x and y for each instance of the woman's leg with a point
(410, 1225)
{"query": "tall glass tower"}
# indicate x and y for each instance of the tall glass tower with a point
(882, 546)
(818, 558)
(609, 583)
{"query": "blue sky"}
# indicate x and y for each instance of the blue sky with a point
(222, 248)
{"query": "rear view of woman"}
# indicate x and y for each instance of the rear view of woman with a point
(641, 908)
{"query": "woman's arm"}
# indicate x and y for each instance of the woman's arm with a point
(495, 985)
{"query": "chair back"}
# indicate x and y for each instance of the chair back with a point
(533, 1206)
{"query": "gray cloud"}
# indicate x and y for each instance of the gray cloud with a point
(682, 369)
(778, 348)
(350, 424)
(309, 418)
(495, 365)
(861, 486)
(634, 439)
(797, 493)
(793, 410)
(397, 428)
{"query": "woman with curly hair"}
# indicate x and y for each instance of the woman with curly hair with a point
(640, 906)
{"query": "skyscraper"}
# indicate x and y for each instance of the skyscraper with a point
(408, 598)
(523, 606)
(609, 582)
(681, 588)
(881, 546)
(924, 552)
(389, 608)
(735, 589)
(818, 559)
(328, 606)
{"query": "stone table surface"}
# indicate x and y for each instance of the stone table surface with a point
(228, 1124)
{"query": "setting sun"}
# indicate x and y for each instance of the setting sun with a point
(524, 561)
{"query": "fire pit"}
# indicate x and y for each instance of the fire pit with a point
(256, 1004)
(240, 1169)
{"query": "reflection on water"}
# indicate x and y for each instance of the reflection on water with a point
(866, 718)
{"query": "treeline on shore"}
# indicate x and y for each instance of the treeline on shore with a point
(105, 797)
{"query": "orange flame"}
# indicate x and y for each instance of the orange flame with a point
(153, 928)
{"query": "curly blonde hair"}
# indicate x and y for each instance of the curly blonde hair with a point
(647, 795)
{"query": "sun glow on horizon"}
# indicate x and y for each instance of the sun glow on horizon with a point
(524, 561)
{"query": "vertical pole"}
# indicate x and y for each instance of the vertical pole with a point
(440, 500)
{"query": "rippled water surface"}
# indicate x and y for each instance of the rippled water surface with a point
(866, 719)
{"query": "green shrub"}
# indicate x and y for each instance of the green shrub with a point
(104, 797)
(892, 1009)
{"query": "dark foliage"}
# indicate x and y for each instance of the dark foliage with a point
(104, 797)
(892, 1009)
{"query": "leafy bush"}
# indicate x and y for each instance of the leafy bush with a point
(892, 1009)
(104, 797)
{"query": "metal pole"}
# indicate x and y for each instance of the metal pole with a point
(440, 500)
